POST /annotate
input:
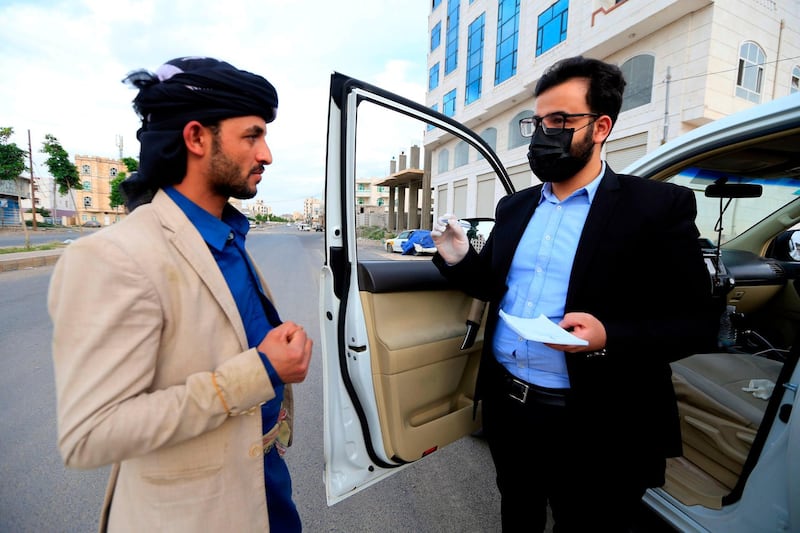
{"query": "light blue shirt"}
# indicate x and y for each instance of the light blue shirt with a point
(538, 281)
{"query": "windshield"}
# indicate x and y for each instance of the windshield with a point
(741, 213)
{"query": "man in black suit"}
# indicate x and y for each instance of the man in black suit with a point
(615, 260)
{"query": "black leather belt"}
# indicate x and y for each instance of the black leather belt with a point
(528, 393)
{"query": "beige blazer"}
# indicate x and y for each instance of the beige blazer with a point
(147, 343)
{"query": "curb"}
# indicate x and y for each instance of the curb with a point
(24, 260)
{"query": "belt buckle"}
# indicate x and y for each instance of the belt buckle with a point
(519, 391)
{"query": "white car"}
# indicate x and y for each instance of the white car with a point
(395, 244)
(394, 395)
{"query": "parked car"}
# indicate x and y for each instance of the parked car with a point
(91, 224)
(419, 242)
(395, 398)
(395, 244)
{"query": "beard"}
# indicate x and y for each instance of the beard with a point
(557, 158)
(226, 176)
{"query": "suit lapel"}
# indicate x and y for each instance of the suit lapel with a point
(189, 243)
(519, 214)
(600, 214)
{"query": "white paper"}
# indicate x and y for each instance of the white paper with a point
(541, 329)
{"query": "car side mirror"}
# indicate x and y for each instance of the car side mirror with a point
(786, 246)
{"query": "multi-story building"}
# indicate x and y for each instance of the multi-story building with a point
(312, 210)
(93, 202)
(687, 62)
(258, 207)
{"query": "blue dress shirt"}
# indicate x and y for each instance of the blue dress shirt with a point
(225, 239)
(538, 281)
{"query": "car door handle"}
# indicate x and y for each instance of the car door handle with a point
(474, 319)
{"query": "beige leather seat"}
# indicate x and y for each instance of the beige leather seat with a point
(719, 422)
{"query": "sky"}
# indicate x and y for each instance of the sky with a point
(62, 62)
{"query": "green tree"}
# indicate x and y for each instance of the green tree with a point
(115, 198)
(131, 163)
(12, 157)
(64, 171)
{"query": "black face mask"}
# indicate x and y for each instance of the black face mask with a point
(551, 157)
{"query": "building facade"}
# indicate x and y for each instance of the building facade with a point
(14, 195)
(93, 202)
(687, 63)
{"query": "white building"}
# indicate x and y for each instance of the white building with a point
(258, 207)
(687, 62)
(312, 210)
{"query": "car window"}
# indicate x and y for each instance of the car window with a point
(388, 194)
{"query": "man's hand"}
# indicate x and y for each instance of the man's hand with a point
(288, 349)
(450, 239)
(585, 326)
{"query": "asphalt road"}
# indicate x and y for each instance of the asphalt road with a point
(451, 490)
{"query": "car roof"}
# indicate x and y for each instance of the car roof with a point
(759, 121)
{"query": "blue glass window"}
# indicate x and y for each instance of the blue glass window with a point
(474, 59)
(507, 39)
(433, 77)
(429, 127)
(451, 39)
(449, 104)
(552, 26)
(436, 4)
(436, 36)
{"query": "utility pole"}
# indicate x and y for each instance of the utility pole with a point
(119, 145)
(33, 185)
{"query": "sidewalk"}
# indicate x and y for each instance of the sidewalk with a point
(23, 260)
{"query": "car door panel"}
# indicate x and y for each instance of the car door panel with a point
(423, 382)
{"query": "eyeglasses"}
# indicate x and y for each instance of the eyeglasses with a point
(551, 124)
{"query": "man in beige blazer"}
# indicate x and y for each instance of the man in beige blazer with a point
(171, 363)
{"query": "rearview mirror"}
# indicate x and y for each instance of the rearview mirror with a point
(733, 190)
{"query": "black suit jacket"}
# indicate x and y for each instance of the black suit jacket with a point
(639, 269)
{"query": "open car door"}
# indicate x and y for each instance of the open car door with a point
(399, 375)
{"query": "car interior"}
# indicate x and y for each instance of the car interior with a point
(724, 398)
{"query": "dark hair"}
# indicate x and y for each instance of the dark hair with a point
(606, 83)
(168, 167)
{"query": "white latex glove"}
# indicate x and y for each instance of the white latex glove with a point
(450, 239)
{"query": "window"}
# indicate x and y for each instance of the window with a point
(87, 185)
(795, 84)
(112, 172)
(433, 77)
(87, 201)
(638, 72)
(451, 39)
(472, 91)
(86, 169)
(449, 104)
(429, 127)
(552, 27)
(507, 34)
(435, 4)
(490, 136)
(750, 75)
(515, 137)
(444, 164)
(462, 154)
(436, 36)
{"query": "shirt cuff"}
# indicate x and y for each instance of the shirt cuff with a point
(274, 378)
